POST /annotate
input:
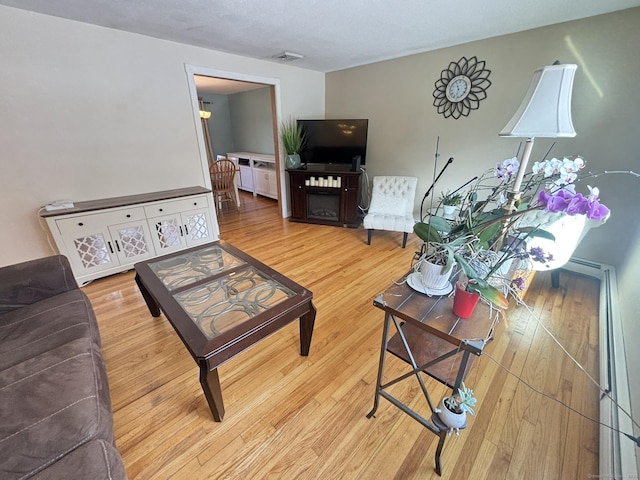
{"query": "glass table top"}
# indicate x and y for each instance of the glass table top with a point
(230, 300)
(183, 270)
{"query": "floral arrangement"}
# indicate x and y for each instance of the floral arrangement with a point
(487, 224)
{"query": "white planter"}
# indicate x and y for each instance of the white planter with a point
(449, 211)
(452, 420)
(432, 277)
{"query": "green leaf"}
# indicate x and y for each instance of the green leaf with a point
(440, 224)
(537, 232)
(486, 235)
(489, 293)
(427, 232)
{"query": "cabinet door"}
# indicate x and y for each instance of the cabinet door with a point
(167, 233)
(350, 190)
(90, 251)
(265, 182)
(132, 242)
(246, 177)
(198, 227)
(298, 195)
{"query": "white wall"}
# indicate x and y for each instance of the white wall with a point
(396, 96)
(89, 112)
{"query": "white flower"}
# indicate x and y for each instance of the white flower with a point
(594, 193)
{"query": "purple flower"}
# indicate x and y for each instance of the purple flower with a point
(597, 211)
(558, 202)
(539, 255)
(519, 283)
(543, 198)
(577, 204)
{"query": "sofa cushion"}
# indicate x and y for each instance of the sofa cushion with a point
(45, 325)
(96, 460)
(52, 403)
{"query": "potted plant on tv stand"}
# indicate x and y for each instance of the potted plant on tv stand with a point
(293, 140)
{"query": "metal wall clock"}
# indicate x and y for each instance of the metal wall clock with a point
(460, 87)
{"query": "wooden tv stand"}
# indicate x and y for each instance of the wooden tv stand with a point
(328, 197)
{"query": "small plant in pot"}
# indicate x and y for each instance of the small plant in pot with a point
(452, 410)
(294, 140)
(449, 203)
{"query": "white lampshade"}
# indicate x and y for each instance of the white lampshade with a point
(546, 108)
(205, 114)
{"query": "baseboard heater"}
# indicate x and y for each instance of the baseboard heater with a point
(617, 452)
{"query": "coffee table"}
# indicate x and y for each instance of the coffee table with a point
(221, 301)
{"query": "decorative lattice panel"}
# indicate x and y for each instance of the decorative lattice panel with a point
(132, 241)
(168, 233)
(222, 304)
(198, 226)
(92, 250)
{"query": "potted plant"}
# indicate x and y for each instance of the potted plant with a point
(293, 140)
(449, 203)
(435, 264)
(452, 410)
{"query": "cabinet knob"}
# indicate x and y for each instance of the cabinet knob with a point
(160, 209)
(128, 215)
(80, 224)
(195, 203)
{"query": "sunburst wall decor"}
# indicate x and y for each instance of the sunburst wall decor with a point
(460, 87)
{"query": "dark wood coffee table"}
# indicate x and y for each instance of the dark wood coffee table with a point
(221, 301)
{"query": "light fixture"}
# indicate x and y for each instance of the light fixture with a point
(205, 114)
(544, 112)
(288, 56)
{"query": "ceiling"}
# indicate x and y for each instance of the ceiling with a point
(331, 34)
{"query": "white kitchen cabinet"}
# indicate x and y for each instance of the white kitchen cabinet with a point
(107, 236)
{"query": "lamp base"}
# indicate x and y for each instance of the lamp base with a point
(512, 198)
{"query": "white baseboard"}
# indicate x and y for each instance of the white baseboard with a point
(617, 452)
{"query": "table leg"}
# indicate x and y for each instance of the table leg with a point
(306, 329)
(211, 386)
(443, 435)
(152, 305)
(383, 351)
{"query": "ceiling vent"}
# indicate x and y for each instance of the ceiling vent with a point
(288, 56)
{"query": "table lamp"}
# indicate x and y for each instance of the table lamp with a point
(545, 111)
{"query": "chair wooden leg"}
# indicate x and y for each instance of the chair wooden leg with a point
(369, 236)
(404, 239)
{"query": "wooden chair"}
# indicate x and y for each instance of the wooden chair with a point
(223, 173)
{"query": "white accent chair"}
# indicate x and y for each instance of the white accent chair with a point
(391, 209)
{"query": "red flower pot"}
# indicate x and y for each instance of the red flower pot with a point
(464, 303)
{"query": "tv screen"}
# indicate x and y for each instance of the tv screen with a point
(334, 142)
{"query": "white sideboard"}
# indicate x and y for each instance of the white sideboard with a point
(107, 236)
(257, 173)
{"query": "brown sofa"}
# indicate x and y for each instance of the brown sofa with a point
(55, 411)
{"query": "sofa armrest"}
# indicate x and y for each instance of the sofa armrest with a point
(29, 282)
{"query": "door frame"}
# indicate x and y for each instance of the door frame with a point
(274, 83)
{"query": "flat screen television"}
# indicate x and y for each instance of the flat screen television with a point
(335, 143)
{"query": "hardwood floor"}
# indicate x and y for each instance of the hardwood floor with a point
(290, 417)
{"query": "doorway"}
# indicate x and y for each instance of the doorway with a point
(244, 89)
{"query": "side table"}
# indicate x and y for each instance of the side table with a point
(432, 341)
